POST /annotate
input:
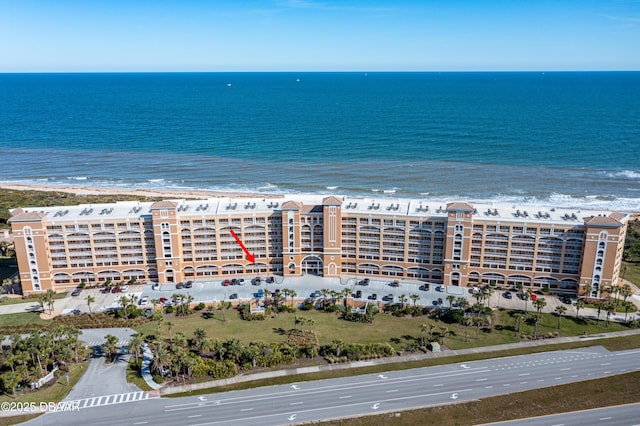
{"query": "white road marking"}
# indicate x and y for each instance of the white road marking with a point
(296, 403)
(246, 409)
(524, 374)
(605, 418)
(345, 397)
(391, 391)
(439, 384)
(194, 416)
(481, 380)
(565, 369)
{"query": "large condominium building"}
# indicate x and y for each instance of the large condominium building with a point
(567, 251)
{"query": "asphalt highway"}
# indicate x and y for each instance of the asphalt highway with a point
(361, 395)
(619, 415)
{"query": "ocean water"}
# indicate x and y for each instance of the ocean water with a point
(570, 138)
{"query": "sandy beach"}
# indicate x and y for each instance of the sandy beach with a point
(164, 193)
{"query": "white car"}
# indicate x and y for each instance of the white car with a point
(124, 289)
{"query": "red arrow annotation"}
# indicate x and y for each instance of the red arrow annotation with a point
(250, 257)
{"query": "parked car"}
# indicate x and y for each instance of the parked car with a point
(179, 286)
(260, 292)
(440, 301)
(124, 289)
(144, 300)
(424, 287)
(565, 299)
(76, 292)
(358, 294)
(163, 300)
(388, 297)
(440, 288)
(234, 281)
(116, 290)
(365, 281)
(188, 284)
(507, 295)
(233, 296)
(269, 280)
(226, 283)
(373, 296)
(395, 283)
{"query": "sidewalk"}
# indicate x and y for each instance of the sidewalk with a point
(147, 357)
(391, 360)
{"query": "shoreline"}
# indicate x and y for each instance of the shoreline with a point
(198, 194)
(165, 193)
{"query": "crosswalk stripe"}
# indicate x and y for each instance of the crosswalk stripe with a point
(120, 398)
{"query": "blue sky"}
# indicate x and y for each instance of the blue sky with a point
(318, 35)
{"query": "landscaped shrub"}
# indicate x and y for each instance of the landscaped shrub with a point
(169, 309)
(200, 306)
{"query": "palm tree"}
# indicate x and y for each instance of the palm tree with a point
(199, 337)
(403, 299)
(463, 302)
(609, 308)
(414, 298)
(423, 328)
(526, 296)
(170, 327)
(135, 345)
(90, 300)
(518, 318)
(627, 307)
(450, 299)
(444, 332)
(539, 304)
(487, 292)
(345, 294)
(599, 307)
(155, 302)
(478, 320)
(49, 296)
(292, 295)
(467, 321)
(325, 295)
(109, 346)
(42, 299)
(625, 291)
(579, 304)
(560, 310)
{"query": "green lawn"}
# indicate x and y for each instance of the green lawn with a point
(399, 332)
(21, 319)
(29, 299)
(633, 272)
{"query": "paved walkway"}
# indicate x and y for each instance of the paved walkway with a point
(147, 357)
(381, 361)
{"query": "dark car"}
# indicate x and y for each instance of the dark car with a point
(270, 280)
(234, 281)
(76, 292)
(233, 296)
(365, 281)
(507, 295)
(424, 287)
(179, 285)
(358, 294)
(374, 296)
(565, 299)
(188, 284)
